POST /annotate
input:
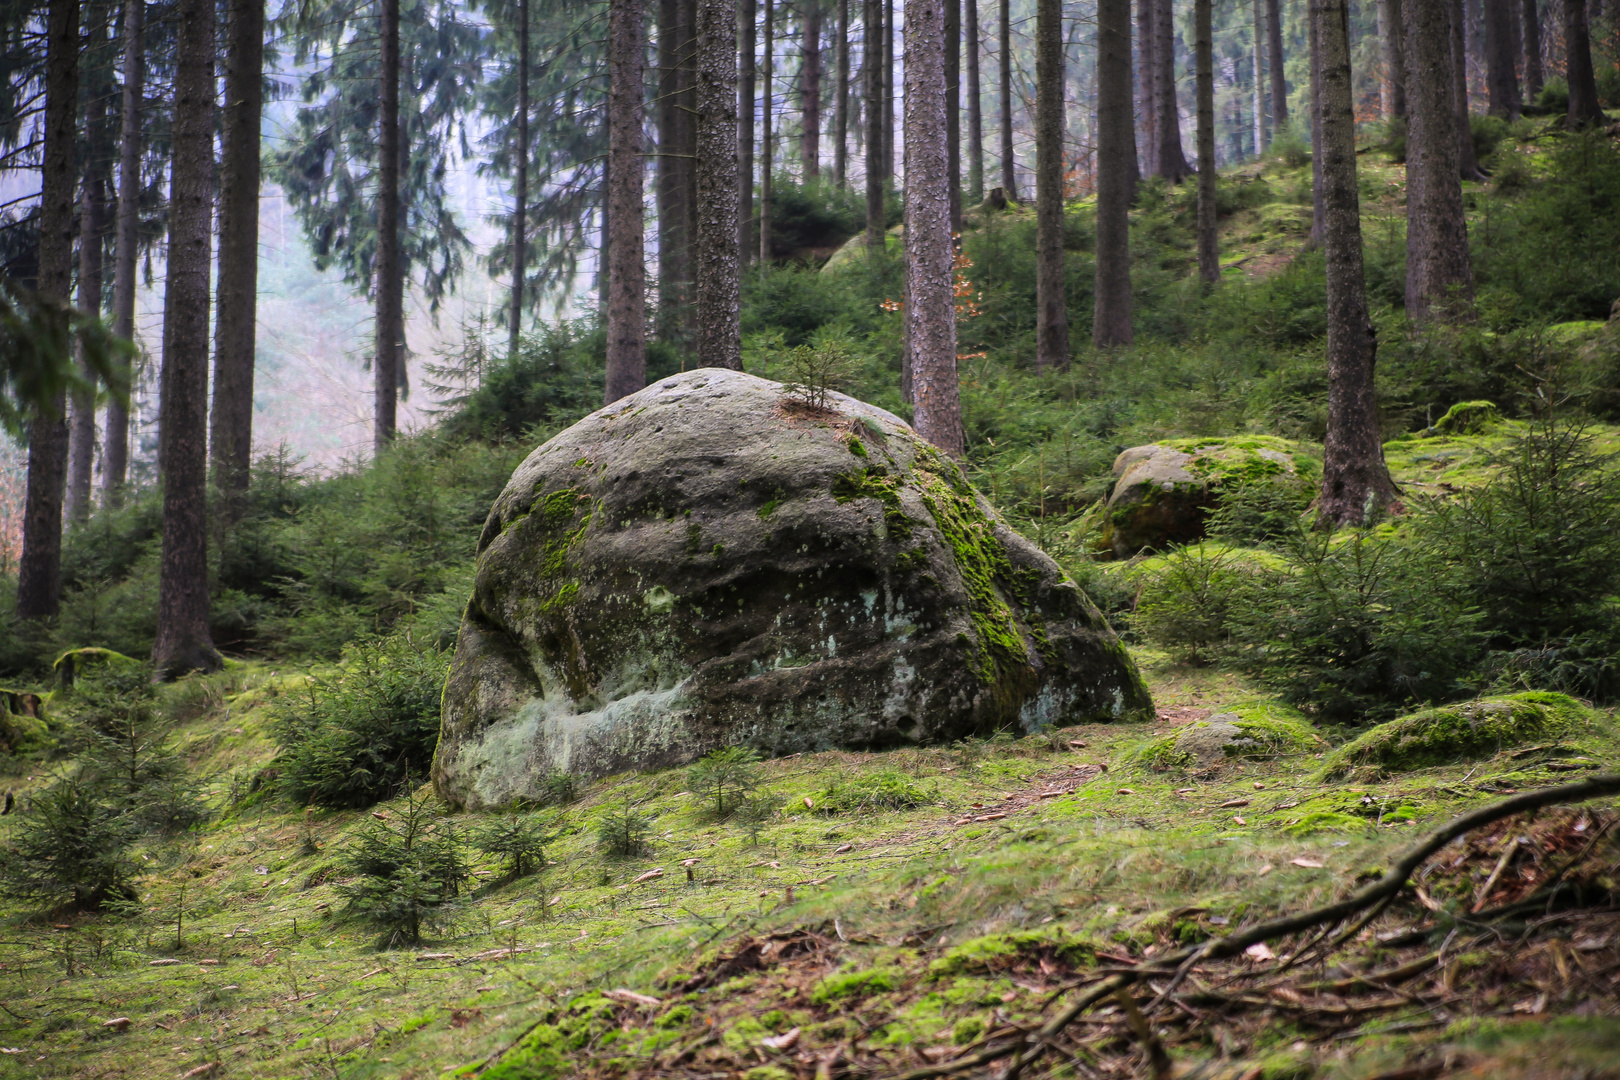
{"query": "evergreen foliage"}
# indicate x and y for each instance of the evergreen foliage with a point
(520, 842)
(408, 869)
(71, 846)
(725, 776)
(624, 832)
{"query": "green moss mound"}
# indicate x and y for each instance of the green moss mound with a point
(1464, 732)
(1467, 418)
(78, 662)
(995, 953)
(1251, 730)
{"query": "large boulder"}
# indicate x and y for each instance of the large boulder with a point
(710, 562)
(1163, 492)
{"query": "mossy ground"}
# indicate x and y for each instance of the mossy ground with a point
(1029, 854)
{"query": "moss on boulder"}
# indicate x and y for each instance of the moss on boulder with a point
(1163, 492)
(1467, 418)
(1247, 730)
(635, 606)
(1468, 731)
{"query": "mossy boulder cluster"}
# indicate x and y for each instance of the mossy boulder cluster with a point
(710, 562)
(1163, 492)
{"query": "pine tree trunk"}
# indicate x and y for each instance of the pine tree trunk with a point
(953, 108)
(1147, 48)
(1279, 80)
(1051, 311)
(841, 109)
(872, 70)
(1438, 274)
(717, 254)
(1533, 76)
(670, 188)
(1259, 78)
(1502, 78)
(627, 270)
(688, 173)
(520, 185)
(767, 148)
(888, 91)
(39, 570)
(1394, 58)
(1313, 28)
(236, 320)
(1467, 165)
(1009, 168)
(115, 451)
(930, 309)
(748, 43)
(1209, 266)
(975, 107)
(1584, 107)
(810, 92)
(92, 251)
(1355, 481)
(1111, 324)
(1172, 161)
(183, 641)
(389, 284)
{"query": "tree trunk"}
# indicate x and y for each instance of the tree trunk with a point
(1259, 78)
(1502, 77)
(183, 642)
(810, 92)
(1209, 266)
(1468, 166)
(1438, 275)
(930, 309)
(1584, 107)
(688, 174)
(627, 270)
(975, 107)
(39, 571)
(841, 110)
(953, 109)
(115, 451)
(766, 149)
(1355, 481)
(1009, 169)
(1111, 324)
(1172, 161)
(1051, 312)
(1389, 12)
(236, 319)
(1313, 30)
(872, 72)
(1533, 76)
(520, 184)
(671, 183)
(1147, 48)
(747, 12)
(719, 342)
(92, 252)
(389, 283)
(1279, 81)
(888, 91)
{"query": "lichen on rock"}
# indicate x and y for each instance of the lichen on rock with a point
(706, 563)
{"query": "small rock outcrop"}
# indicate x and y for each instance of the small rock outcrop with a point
(1163, 492)
(1263, 730)
(710, 562)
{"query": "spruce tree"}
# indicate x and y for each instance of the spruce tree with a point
(716, 251)
(627, 273)
(1111, 321)
(1051, 309)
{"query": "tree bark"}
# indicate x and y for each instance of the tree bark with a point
(1313, 32)
(1584, 107)
(1051, 312)
(1111, 323)
(748, 43)
(236, 319)
(627, 270)
(520, 183)
(841, 111)
(1468, 166)
(1259, 78)
(92, 251)
(888, 91)
(183, 641)
(1355, 480)
(975, 107)
(810, 91)
(1172, 161)
(953, 108)
(671, 183)
(766, 147)
(1209, 267)
(1502, 77)
(930, 309)
(39, 570)
(389, 284)
(1439, 280)
(1533, 76)
(872, 72)
(1147, 48)
(115, 451)
(719, 342)
(1279, 81)
(1394, 105)
(1009, 167)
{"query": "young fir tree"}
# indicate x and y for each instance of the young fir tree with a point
(408, 869)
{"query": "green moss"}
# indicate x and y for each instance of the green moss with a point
(857, 447)
(1325, 821)
(884, 789)
(1467, 418)
(998, 952)
(75, 662)
(966, 1030)
(842, 985)
(1463, 732)
(876, 482)
(1265, 729)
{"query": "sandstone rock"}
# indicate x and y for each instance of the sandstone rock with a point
(1163, 492)
(708, 563)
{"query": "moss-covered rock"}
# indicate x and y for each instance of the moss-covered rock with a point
(76, 662)
(1468, 731)
(634, 608)
(22, 721)
(1248, 730)
(1163, 492)
(1467, 418)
